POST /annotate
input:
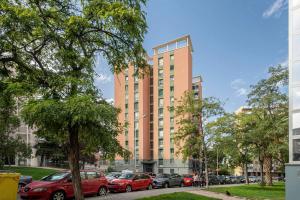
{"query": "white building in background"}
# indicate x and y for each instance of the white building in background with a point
(293, 167)
(26, 133)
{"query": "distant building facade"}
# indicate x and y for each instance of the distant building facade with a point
(148, 107)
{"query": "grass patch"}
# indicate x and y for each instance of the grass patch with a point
(178, 196)
(255, 191)
(36, 173)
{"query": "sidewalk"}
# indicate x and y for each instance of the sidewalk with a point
(214, 195)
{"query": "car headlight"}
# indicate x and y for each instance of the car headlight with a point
(40, 189)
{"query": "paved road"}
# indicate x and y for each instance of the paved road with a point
(141, 194)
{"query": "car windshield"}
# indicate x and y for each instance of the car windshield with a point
(162, 176)
(55, 177)
(126, 176)
(114, 175)
(188, 176)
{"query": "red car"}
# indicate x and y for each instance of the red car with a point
(129, 182)
(188, 180)
(58, 186)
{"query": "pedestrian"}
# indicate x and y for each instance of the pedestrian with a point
(195, 179)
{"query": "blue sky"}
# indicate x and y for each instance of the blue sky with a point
(234, 41)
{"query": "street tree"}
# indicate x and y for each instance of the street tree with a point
(232, 137)
(194, 135)
(11, 144)
(269, 119)
(51, 46)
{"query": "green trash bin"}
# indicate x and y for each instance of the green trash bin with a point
(9, 186)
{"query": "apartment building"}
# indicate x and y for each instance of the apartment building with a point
(148, 108)
(293, 167)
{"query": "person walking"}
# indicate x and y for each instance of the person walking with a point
(195, 178)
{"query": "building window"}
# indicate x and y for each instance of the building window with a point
(171, 68)
(160, 62)
(126, 78)
(172, 89)
(161, 133)
(172, 141)
(160, 82)
(171, 57)
(171, 171)
(160, 142)
(160, 112)
(160, 72)
(136, 106)
(160, 170)
(172, 100)
(172, 120)
(172, 131)
(126, 106)
(161, 92)
(136, 115)
(136, 96)
(160, 153)
(126, 88)
(136, 87)
(160, 161)
(136, 125)
(126, 143)
(172, 78)
(136, 78)
(161, 122)
(161, 102)
(136, 143)
(126, 133)
(136, 133)
(172, 161)
(172, 153)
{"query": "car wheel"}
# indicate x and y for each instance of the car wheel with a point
(102, 191)
(166, 185)
(59, 195)
(150, 187)
(128, 188)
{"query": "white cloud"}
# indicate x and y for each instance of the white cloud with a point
(110, 100)
(239, 87)
(104, 78)
(275, 9)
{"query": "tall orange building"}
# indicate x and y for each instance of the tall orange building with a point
(148, 108)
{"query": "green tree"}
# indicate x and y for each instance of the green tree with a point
(232, 137)
(11, 145)
(51, 46)
(269, 118)
(194, 134)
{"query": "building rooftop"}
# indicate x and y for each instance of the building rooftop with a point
(174, 44)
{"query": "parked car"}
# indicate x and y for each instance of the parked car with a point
(213, 180)
(168, 180)
(59, 186)
(113, 175)
(221, 179)
(128, 182)
(188, 180)
(236, 179)
(252, 179)
(24, 180)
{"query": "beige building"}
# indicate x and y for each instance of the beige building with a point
(148, 107)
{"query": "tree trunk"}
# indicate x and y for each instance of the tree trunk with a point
(74, 163)
(268, 169)
(206, 169)
(246, 173)
(42, 160)
(261, 172)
